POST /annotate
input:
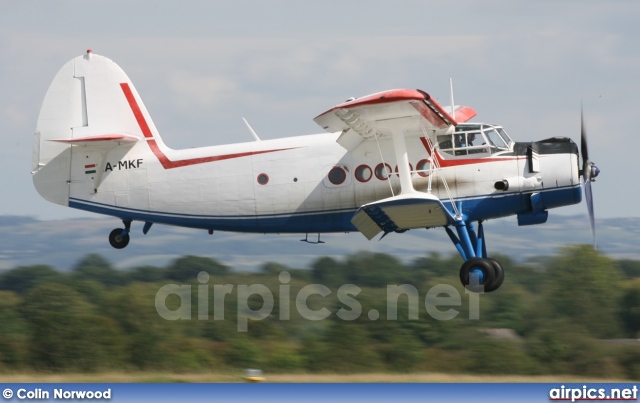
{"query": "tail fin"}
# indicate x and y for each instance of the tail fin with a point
(87, 105)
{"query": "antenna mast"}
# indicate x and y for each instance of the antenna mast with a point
(453, 110)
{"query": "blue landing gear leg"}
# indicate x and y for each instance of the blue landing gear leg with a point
(119, 237)
(478, 272)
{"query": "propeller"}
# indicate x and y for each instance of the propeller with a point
(589, 173)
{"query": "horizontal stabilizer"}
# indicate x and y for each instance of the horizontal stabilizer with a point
(100, 140)
(400, 213)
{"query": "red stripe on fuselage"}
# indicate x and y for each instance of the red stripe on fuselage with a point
(164, 160)
(452, 163)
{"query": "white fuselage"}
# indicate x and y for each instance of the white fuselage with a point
(298, 195)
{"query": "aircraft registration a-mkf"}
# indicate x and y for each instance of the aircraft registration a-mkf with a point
(389, 162)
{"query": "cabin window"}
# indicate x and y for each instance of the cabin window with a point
(337, 175)
(383, 171)
(421, 168)
(363, 173)
(263, 179)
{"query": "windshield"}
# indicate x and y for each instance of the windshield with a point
(495, 138)
(504, 135)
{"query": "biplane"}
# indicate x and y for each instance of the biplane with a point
(387, 163)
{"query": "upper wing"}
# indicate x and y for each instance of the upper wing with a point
(368, 117)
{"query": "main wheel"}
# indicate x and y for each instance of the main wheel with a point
(117, 240)
(499, 276)
(476, 274)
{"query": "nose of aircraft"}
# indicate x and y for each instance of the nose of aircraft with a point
(595, 171)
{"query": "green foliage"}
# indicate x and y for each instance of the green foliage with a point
(586, 290)
(285, 358)
(630, 268)
(328, 271)
(273, 268)
(487, 356)
(189, 355)
(146, 274)
(186, 268)
(436, 265)
(376, 270)
(133, 308)
(629, 358)
(404, 353)
(96, 318)
(96, 268)
(349, 349)
(23, 279)
(243, 352)
(508, 308)
(65, 334)
(630, 308)
(564, 348)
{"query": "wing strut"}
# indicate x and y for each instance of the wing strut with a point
(400, 147)
(434, 167)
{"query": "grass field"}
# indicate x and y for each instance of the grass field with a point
(151, 377)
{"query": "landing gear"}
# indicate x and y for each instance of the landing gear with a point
(478, 272)
(117, 240)
(481, 274)
(499, 276)
(119, 237)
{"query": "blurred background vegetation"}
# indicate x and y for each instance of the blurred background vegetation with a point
(577, 312)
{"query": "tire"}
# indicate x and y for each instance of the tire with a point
(487, 271)
(116, 240)
(499, 276)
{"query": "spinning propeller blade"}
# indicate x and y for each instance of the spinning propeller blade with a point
(584, 149)
(589, 173)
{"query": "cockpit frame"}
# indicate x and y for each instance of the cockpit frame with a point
(475, 140)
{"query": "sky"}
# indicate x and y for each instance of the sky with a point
(200, 66)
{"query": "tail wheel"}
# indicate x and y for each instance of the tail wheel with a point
(477, 274)
(499, 276)
(117, 240)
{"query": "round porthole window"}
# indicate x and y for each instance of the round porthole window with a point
(363, 173)
(382, 171)
(337, 175)
(422, 166)
(263, 179)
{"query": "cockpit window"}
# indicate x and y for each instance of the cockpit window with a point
(495, 138)
(504, 135)
(474, 139)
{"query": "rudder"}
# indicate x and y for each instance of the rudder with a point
(85, 106)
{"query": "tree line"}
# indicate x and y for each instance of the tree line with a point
(573, 313)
